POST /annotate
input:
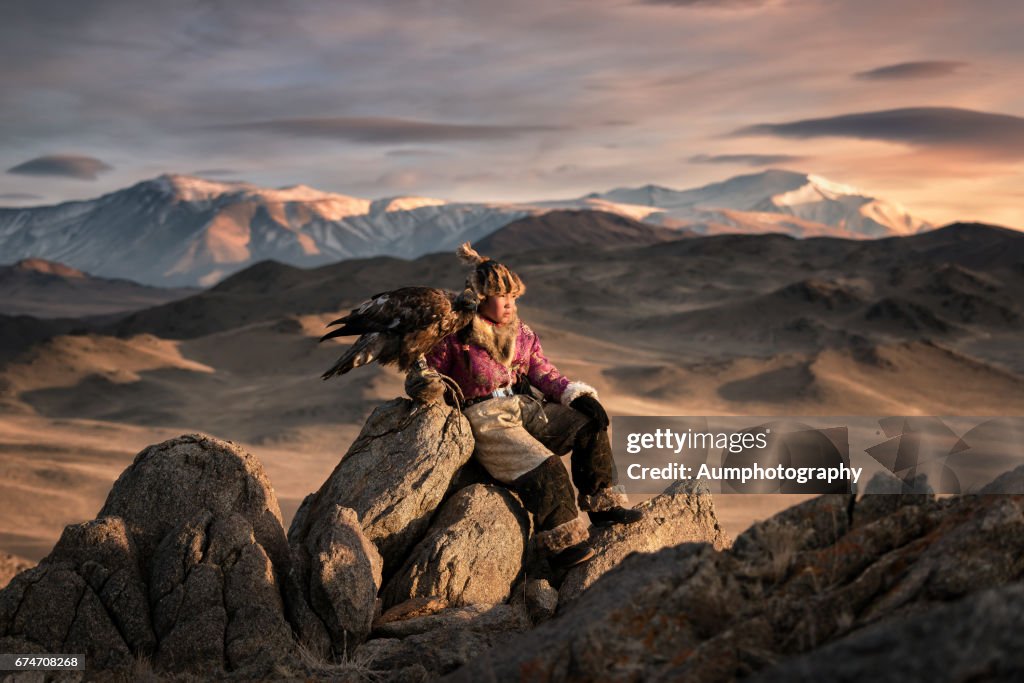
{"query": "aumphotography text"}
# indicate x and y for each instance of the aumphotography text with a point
(743, 475)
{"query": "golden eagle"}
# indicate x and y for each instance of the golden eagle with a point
(400, 326)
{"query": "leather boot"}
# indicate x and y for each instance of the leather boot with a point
(592, 465)
(615, 515)
(546, 491)
(609, 506)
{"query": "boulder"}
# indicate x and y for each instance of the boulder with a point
(339, 571)
(685, 512)
(393, 476)
(789, 586)
(479, 617)
(436, 644)
(87, 596)
(216, 601)
(537, 596)
(184, 565)
(471, 554)
(978, 637)
(414, 607)
(169, 482)
(649, 609)
(772, 545)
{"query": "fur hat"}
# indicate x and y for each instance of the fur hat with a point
(489, 278)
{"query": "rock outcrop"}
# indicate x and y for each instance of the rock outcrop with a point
(184, 564)
(86, 597)
(436, 644)
(188, 567)
(394, 476)
(471, 554)
(538, 597)
(789, 586)
(975, 638)
(339, 572)
(684, 513)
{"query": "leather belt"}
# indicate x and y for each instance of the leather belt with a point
(497, 393)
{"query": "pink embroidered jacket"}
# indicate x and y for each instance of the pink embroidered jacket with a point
(478, 374)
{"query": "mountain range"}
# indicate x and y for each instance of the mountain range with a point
(177, 230)
(927, 324)
(45, 289)
(773, 201)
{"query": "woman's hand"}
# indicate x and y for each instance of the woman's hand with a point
(589, 406)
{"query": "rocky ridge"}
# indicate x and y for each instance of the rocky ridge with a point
(408, 564)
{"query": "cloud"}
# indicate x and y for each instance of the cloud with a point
(747, 159)
(480, 177)
(416, 153)
(19, 195)
(519, 174)
(996, 135)
(401, 179)
(216, 172)
(375, 129)
(62, 166)
(81, 79)
(727, 4)
(911, 70)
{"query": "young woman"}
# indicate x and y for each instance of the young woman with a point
(525, 414)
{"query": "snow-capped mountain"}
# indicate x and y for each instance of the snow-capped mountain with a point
(183, 231)
(179, 230)
(778, 201)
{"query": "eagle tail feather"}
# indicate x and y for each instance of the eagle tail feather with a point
(343, 331)
(366, 350)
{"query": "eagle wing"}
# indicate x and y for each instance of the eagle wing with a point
(394, 327)
(398, 311)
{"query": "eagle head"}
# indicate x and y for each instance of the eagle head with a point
(467, 301)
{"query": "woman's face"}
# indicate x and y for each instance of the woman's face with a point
(500, 308)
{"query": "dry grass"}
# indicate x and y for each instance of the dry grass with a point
(357, 668)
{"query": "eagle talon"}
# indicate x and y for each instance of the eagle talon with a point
(453, 390)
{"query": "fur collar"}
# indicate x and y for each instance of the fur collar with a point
(497, 340)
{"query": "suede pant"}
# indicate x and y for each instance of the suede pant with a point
(519, 440)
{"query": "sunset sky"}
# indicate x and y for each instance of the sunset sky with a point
(916, 101)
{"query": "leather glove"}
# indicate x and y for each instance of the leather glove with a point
(589, 406)
(425, 386)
